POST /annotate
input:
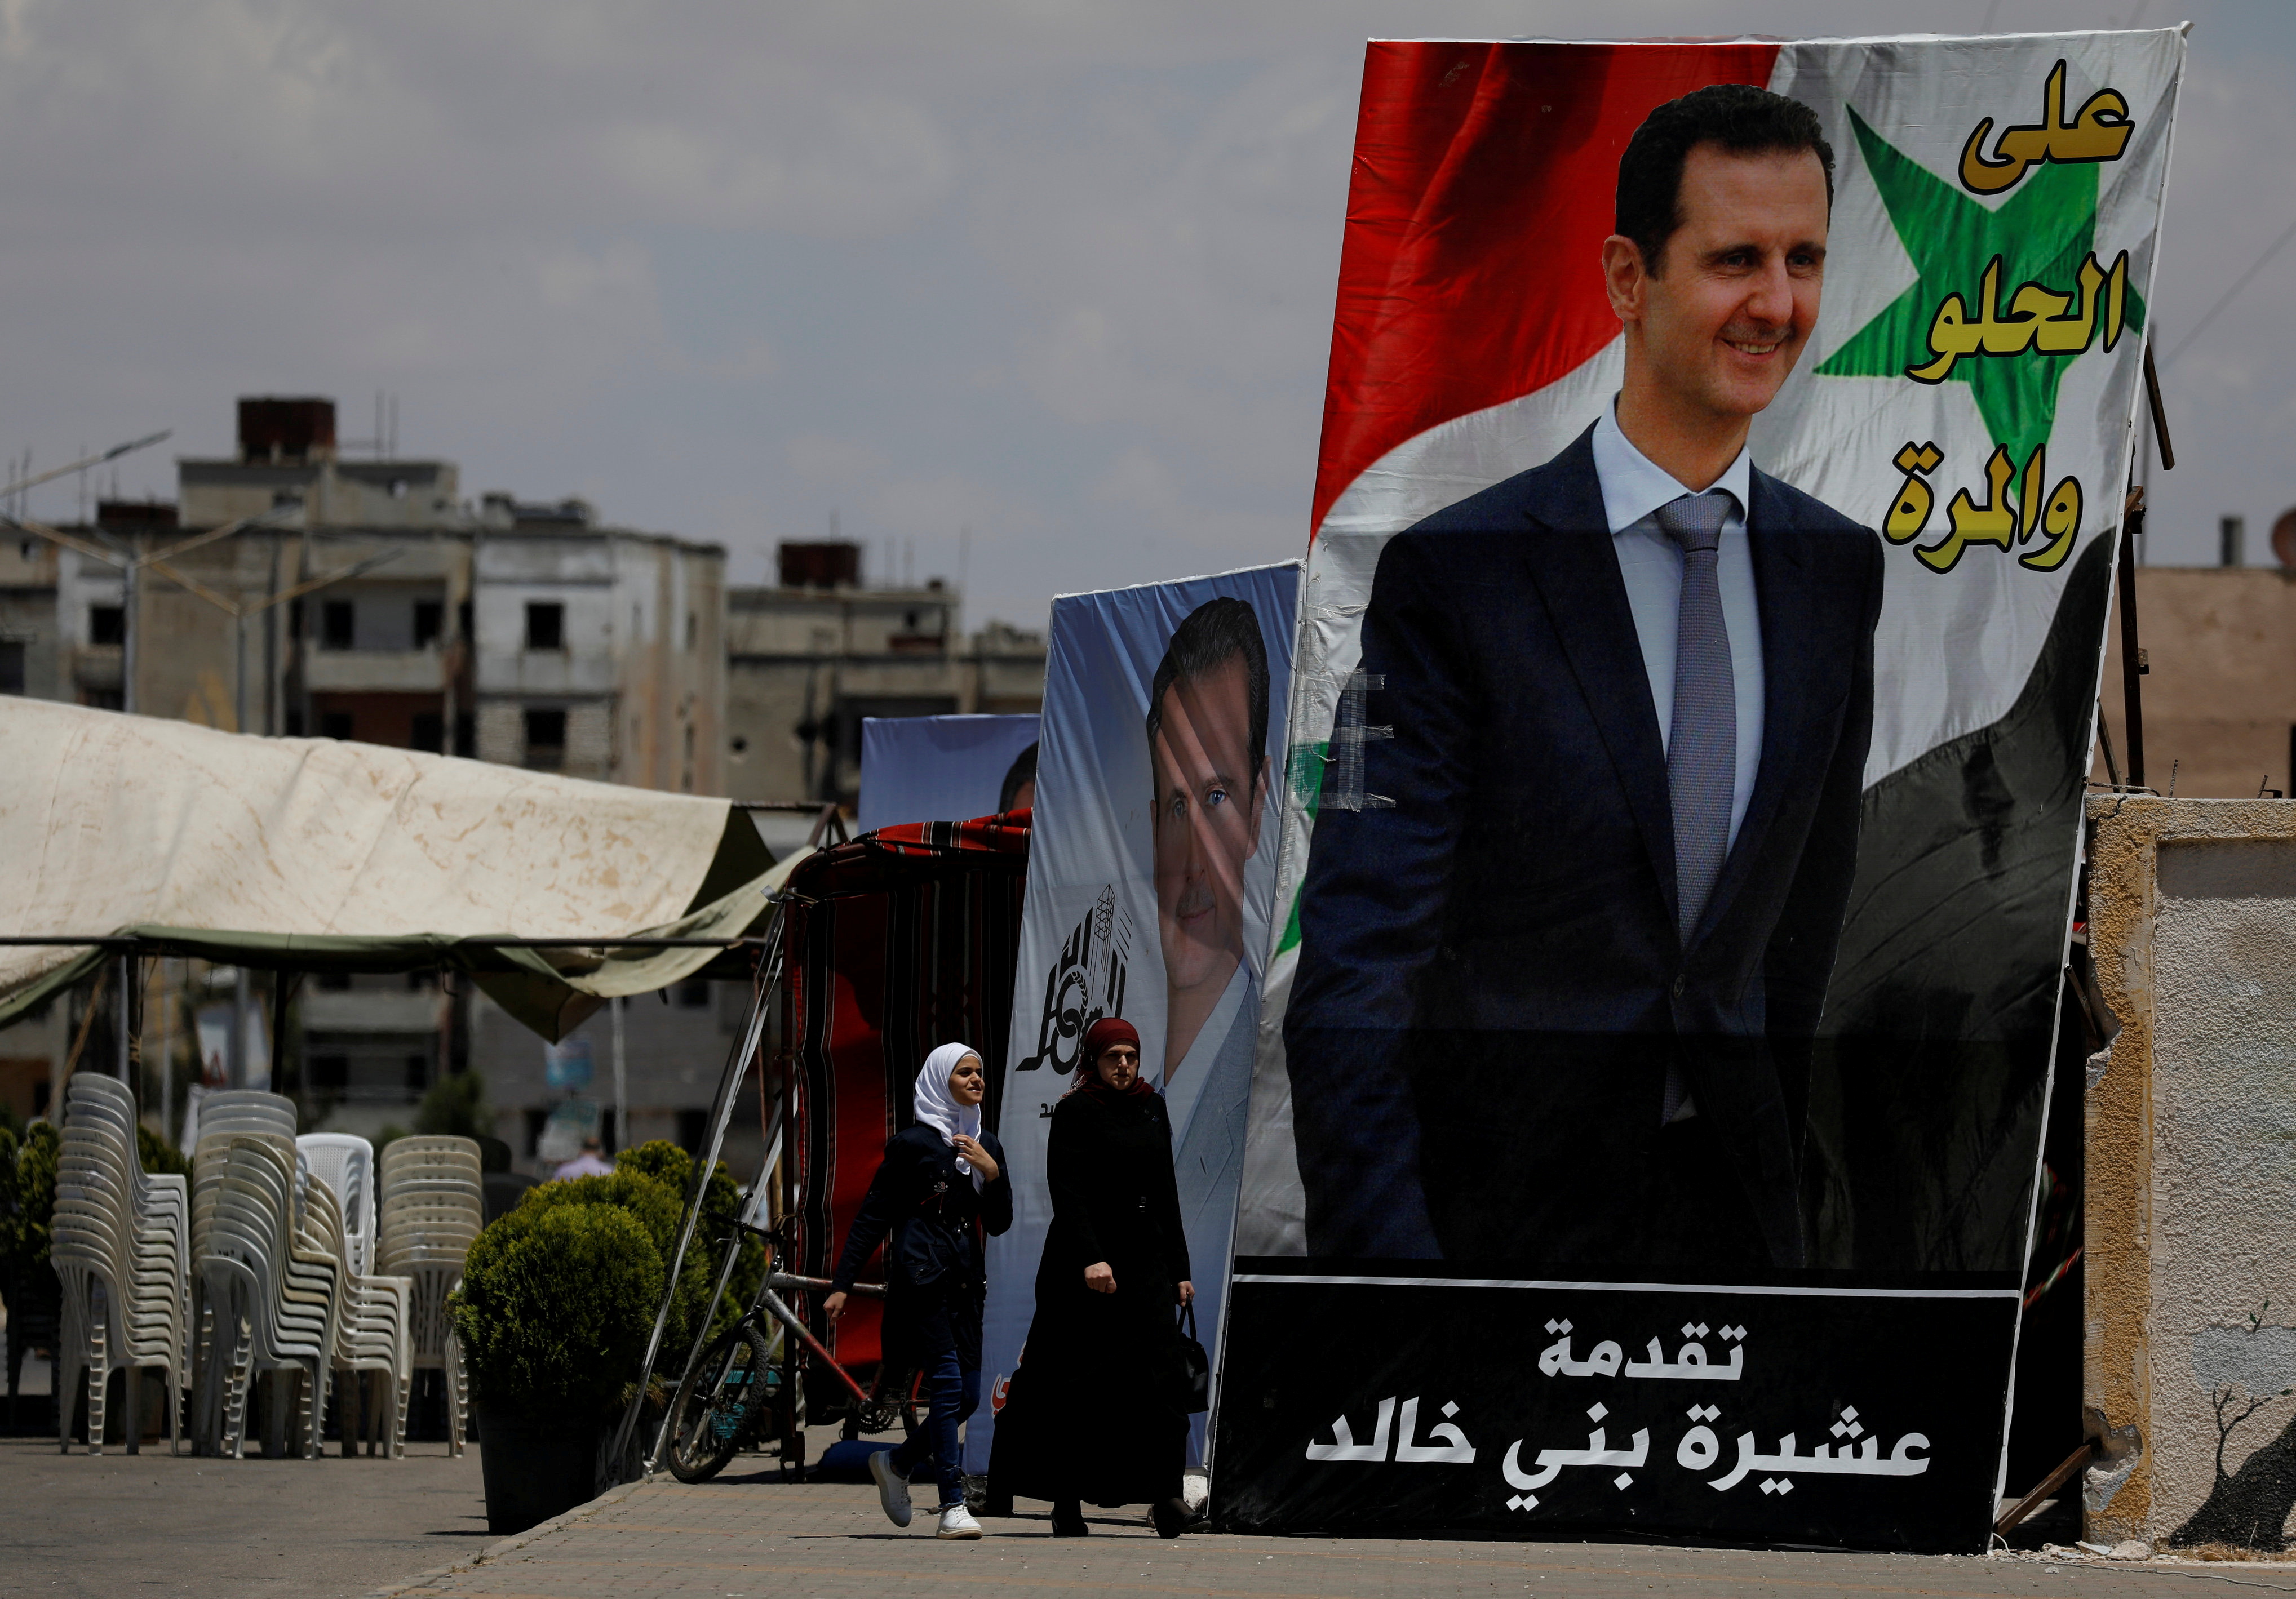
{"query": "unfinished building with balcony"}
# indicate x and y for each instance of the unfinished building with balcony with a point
(808, 659)
(365, 599)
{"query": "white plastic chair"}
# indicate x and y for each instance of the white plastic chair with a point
(119, 1246)
(373, 1338)
(344, 1162)
(431, 1209)
(276, 1301)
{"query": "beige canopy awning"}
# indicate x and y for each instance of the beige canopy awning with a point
(315, 854)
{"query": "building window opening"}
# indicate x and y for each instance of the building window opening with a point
(430, 617)
(336, 725)
(430, 732)
(11, 666)
(338, 625)
(545, 624)
(545, 740)
(107, 625)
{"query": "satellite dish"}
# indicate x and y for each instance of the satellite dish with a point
(2283, 538)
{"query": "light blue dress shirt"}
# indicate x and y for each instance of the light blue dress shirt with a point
(1633, 489)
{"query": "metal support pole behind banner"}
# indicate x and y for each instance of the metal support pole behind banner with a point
(240, 1054)
(167, 1057)
(2133, 664)
(621, 1082)
(793, 1433)
(282, 989)
(2132, 658)
(127, 981)
(737, 1065)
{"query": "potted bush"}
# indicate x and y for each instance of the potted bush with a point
(556, 1301)
(27, 1202)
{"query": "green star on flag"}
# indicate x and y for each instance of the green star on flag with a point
(2042, 232)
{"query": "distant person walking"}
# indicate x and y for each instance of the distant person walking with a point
(1093, 1413)
(940, 1182)
(590, 1163)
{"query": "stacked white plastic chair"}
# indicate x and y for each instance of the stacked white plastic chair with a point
(277, 1297)
(375, 1338)
(222, 1115)
(345, 1163)
(120, 1248)
(225, 1322)
(432, 1205)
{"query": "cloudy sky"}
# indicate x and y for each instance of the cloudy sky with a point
(1054, 271)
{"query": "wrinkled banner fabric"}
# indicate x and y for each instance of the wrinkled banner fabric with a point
(1968, 394)
(1147, 903)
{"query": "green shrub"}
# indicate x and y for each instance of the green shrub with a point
(655, 1205)
(28, 1194)
(668, 1163)
(527, 1320)
(555, 1306)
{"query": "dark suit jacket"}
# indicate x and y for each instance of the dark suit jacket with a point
(1491, 984)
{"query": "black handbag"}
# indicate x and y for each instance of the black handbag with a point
(1191, 1368)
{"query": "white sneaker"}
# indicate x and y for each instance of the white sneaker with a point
(893, 1491)
(956, 1522)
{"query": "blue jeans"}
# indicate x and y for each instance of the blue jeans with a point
(954, 1395)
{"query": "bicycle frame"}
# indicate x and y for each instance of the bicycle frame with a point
(774, 1306)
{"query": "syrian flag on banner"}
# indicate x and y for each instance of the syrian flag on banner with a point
(1968, 393)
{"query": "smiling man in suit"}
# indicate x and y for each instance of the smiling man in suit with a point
(1554, 1003)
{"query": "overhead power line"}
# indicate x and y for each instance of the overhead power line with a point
(2225, 298)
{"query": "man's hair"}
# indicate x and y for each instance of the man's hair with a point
(1742, 119)
(1023, 769)
(1214, 634)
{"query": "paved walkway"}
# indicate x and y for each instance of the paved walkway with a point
(747, 1536)
(84, 1527)
(112, 1525)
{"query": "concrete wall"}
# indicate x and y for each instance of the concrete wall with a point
(2191, 1351)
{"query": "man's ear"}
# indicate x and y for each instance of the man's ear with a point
(1625, 278)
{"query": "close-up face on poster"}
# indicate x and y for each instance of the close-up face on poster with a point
(1151, 874)
(1723, 459)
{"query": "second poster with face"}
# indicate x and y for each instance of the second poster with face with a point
(1151, 873)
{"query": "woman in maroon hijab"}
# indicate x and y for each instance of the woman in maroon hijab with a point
(1093, 1413)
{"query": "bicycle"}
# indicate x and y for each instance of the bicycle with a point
(733, 1386)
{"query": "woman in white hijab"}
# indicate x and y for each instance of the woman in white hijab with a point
(941, 1181)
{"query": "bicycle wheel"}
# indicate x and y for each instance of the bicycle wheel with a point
(718, 1405)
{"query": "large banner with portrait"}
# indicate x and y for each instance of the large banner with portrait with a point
(1679, 841)
(1152, 869)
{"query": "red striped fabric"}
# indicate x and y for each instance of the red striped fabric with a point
(898, 942)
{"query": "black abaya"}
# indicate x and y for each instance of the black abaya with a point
(1092, 1413)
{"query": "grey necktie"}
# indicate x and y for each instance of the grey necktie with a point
(1701, 747)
